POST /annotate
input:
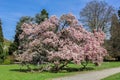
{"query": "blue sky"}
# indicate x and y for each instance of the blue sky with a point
(12, 10)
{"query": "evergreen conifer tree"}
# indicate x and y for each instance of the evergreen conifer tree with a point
(115, 37)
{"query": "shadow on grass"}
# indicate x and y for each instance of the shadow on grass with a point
(68, 69)
(78, 69)
(19, 70)
(27, 70)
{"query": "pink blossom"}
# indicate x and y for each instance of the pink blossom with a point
(72, 43)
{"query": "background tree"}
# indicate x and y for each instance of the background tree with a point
(2, 48)
(14, 46)
(115, 37)
(40, 17)
(96, 14)
(26, 19)
(3, 53)
(1, 33)
(119, 13)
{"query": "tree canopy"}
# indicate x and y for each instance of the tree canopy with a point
(96, 14)
(115, 37)
(59, 47)
(1, 33)
(40, 17)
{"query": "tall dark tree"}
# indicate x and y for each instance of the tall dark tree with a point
(119, 14)
(14, 46)
(115, 37)
(26, 19)
(2, 54)
(96, 14)
(1, 33)
(41, 16)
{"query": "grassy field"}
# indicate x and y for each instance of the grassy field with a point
(11, 72)
(113, 77)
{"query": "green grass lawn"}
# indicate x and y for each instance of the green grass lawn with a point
(11, 72)
(113, 77)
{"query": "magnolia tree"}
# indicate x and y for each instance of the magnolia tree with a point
(60, 41)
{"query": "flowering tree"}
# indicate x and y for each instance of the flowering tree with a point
(60, 41)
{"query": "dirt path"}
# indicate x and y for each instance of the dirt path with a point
(94, 75)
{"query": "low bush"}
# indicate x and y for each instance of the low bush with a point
(8, 60)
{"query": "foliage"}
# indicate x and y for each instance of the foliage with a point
(7, 61)
(41, 16)
(97, 14)
(119, 13)
(14, 46)
(7, 42)
(60, 41)
(1, 33)
(115, 39)
(26, 19)
(3, 52)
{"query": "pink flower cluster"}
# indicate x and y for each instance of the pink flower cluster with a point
(72, 43)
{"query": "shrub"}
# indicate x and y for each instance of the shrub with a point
(7, 61)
